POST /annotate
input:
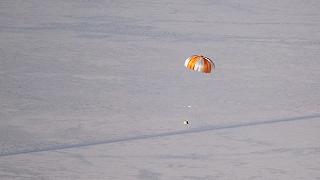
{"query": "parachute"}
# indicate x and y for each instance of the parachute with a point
(199, 63)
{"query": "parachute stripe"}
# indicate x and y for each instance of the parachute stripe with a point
(207, 68)
(192, 62)
(187, 62)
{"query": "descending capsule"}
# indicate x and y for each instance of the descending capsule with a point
(199, 63)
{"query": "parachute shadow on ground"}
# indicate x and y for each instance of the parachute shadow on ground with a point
(159, 135)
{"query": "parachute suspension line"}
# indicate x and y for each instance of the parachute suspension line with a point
(187, 120)
(188, 117)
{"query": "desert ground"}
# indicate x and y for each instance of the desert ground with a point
(97, 90)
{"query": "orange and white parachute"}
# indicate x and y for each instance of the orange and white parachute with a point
(199, 63)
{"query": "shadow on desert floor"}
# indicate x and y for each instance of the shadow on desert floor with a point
(157, 135)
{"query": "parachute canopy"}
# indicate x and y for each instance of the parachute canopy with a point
(199, 63)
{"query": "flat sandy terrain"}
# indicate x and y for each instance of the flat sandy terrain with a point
(97, 90)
